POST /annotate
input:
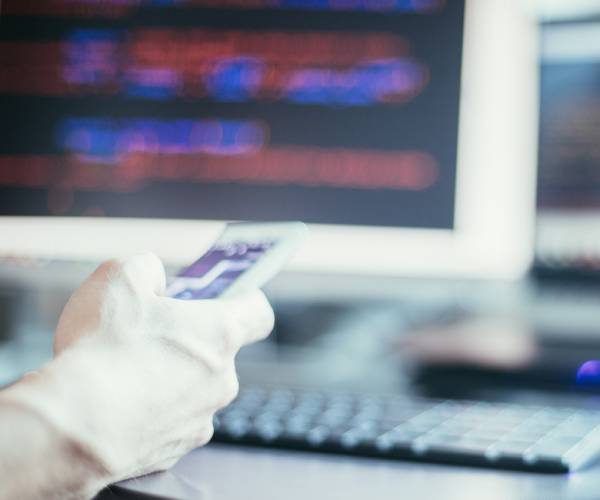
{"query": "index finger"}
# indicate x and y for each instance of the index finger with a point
(254, 312)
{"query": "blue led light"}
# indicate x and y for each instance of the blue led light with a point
(589, 373)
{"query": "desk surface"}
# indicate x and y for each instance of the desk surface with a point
(223, 472)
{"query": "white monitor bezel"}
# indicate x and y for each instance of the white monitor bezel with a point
(493, 235)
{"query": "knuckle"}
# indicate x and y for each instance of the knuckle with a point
(167, 464)
(108, 268)
(209, 432)
(130, 267)
(256, 319)
(229, 334)
(268, 318)
(205, 435)
(149, 257)
(230, 389)
(265, 312)
(152, 265)
(142, 265)
(118, 272)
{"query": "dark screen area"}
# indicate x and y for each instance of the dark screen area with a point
(334, 111)
(569, 146)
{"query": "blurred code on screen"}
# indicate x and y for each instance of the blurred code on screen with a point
(332, 111)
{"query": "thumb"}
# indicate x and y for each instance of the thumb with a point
(145, 272)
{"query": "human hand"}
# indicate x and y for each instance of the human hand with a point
(137, 377)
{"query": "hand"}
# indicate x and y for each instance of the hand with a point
(137, 376)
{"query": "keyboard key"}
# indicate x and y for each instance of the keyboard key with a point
(269, 431)
(512, 448)
(486, 433)
(352, 438)
(317, 435)
(384, 443)
(530, 435)
(237, 428)
(464, 446)
(554, 446)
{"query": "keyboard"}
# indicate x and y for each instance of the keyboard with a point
(498, 435)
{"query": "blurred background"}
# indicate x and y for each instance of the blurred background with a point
(139, 117)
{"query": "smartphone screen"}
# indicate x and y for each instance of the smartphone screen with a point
(217, 269)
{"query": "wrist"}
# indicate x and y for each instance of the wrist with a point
(40, 461)
(61, 395)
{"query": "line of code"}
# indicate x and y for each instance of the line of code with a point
(303, 68)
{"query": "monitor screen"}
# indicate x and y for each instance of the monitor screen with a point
(327, 111)
(569, 144)
(569, 153)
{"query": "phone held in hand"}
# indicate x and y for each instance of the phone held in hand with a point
(245, 256)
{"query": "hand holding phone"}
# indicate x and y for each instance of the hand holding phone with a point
(245, 256)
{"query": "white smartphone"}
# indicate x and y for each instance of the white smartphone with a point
(245, 256)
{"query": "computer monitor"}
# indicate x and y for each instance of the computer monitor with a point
(402, 131)
(568, 232)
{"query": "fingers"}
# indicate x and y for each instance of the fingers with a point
(144, 272)
(253, 311)
(230, 323)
